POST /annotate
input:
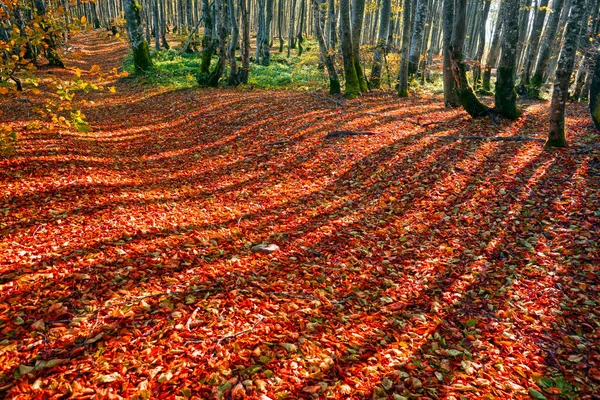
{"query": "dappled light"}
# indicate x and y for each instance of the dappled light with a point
(412, 261)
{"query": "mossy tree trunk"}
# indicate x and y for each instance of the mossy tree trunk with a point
(506, 96)
(556, 134)
(381, 48)
(352, 83)
(358, 14)
(472, 105)
(326, 53)
(139, 46)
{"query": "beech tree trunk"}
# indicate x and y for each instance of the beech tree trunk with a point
(352, 83)
(358, 13)
(594, 95)
(506, 96)
(541, 68)
(381, 48)
(326, 54)
(403, 74)
(556, 134)
(534, 41)
(139, 46)
(472, 105)
(417, 36)
(450, 96)
(493, 54)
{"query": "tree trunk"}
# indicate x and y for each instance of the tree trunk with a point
(594, 95)
(245, 50)
(450, 96)
(403, 74)
(541, 68)
(417, 36)
(279, 24)
(468, 99)
(332, 24)
(139, 46)
(480, 45)
(556, 134)
(534, 41)
(358, 13)
(381, 49)
(506, 96)
(319, 16)
(493, 54)
(352, 83)
(233, 79)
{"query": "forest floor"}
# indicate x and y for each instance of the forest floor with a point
(410, 265)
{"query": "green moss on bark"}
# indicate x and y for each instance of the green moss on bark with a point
(595, 110)
(352, 83)
(506, 96)
(141, 57)
(362, 82)
(334, 86)
(535, 86)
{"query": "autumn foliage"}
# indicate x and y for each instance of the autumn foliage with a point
(412, 264)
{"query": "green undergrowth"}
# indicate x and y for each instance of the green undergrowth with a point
(178, 71)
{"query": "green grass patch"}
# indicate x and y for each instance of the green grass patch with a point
(179, 71)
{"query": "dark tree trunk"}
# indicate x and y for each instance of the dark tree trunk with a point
(417, 36)
(506, 96)
(403, 74)
(358, 13)
(319, 16)
(468, 99)
(556, 134)
(450, 96)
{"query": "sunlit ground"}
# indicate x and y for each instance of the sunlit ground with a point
(410, 265)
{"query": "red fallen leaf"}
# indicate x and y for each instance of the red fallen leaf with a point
(594, 373)
(311, 389)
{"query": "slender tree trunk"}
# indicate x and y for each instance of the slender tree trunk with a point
(352, 83)
(358, 13)
(556, 134)
(381, 49)
(280, 24)
(139, 46)
(301, 27)
(245, 50)
(493, 54)
(233, 79)
(332, 24)
(291, 36)
(468, 99)
(417, 36)
(541, 68)
(480, 45)
(450, 95)
(156, 22)
(208, 42)
(506, 96)
(594, 95)
(403, 74)
(534, 41)
(319, 16)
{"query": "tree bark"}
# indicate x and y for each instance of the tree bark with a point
(556, 134)
(381, 48)
(541, 68)
(403, 74)
(319, 16)
(468, 99)
(417, 36)
(358, 13)
(594, 95)
(493, 54)
(506, 96)
(352, 83)
(141, 52)
(450, 96)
